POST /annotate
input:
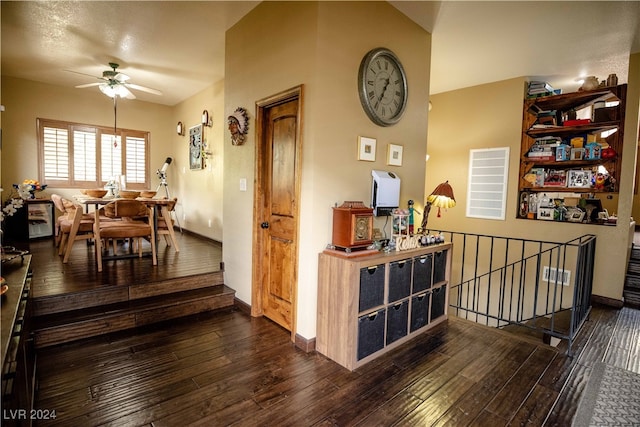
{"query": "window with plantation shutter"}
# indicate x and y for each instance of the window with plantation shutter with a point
(55, 159)
(111, 157)
(136, 160)
(75, 155)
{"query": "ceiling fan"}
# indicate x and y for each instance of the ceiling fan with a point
(114, 83)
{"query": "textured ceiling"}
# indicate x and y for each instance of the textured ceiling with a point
(178, 47)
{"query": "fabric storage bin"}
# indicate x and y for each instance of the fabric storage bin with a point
(437, 302)
(370, 333)
(397, 318)
(399, 280)
(419, 310)
(371, 287)
(439, 266)
(422, 268)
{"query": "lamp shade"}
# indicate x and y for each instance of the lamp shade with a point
(442, 196)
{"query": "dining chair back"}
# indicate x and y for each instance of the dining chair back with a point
(78, 227)
(125, 224)
(71, 226)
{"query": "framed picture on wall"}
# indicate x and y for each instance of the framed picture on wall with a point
(366, 149)
(394, 155)
(195, 147)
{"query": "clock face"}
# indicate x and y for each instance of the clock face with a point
(361, 228)
(382, 86)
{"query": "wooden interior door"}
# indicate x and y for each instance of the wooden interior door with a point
(277, 207)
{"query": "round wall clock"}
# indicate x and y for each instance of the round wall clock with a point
(382, 86)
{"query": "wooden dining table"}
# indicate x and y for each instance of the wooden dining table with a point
(162, 204)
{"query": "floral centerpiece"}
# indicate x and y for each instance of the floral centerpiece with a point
(20, 193)
(30, 185)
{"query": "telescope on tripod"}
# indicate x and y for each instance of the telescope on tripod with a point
(162, 174)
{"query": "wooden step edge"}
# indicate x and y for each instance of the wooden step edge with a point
(51, 304)
(128, 319)
(89, 313)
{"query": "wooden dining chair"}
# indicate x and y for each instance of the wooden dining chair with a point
(71, 226)
(78, 227)
(165, 224)
(62, 215)
(124, 224)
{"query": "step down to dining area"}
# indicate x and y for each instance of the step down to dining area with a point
(73, 301)
(73, 323)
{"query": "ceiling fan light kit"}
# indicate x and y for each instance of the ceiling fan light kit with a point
(114, 83)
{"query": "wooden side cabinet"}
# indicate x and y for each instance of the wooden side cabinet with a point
(368, 305)
(18, 356)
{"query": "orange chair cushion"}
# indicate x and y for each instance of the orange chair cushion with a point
(124, 229)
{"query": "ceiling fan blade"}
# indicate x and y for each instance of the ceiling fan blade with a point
(85, 74)
(88, 85)
(121, 77)
(143, 88)
(128, 93)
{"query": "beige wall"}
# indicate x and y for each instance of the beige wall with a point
(319, 45)
(199, 191)
(27, 100)
(490, 116)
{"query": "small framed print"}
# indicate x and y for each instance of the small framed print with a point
(579, 179)
(577, 153)
(394, 155)
(366, 149)
(546, 214)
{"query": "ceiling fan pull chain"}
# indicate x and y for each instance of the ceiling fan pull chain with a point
(115, 121)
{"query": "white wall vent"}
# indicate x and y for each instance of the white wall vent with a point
(553, 275)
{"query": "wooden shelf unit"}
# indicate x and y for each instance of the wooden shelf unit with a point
(371, 304)
(562, 104)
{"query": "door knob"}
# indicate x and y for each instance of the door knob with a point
(264, 225)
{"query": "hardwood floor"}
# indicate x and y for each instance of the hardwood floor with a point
(226, 368)
(52, 277)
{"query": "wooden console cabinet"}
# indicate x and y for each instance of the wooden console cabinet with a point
(18, 357)
(368, 305)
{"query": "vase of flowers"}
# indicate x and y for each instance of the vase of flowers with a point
(31, 186)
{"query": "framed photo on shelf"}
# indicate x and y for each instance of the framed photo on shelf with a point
(579, 178)
(555, 178)
(394, 155)
(575, 215)
(577, 154)
(546, 214)
(366, 149)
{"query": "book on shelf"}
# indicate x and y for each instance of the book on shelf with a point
(577, 122)
(548, 140)
(541, 126)
(540, 88)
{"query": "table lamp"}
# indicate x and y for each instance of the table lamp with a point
(441, 197)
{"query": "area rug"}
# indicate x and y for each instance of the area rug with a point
(611, 398)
